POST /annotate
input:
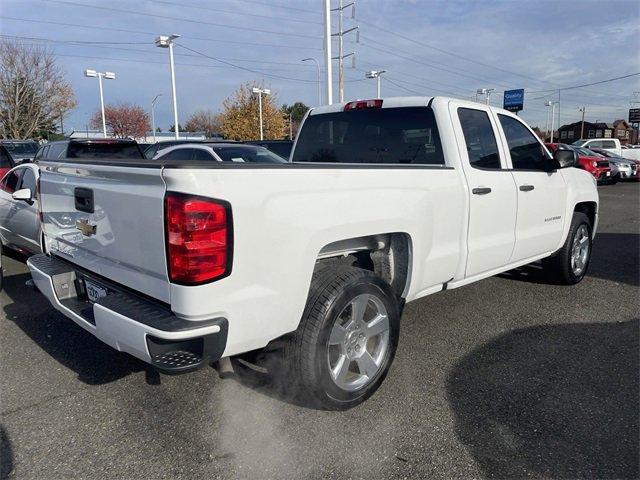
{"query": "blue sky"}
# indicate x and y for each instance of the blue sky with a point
(449, 48)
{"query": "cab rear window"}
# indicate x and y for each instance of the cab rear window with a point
(104, 150)
(407, 135)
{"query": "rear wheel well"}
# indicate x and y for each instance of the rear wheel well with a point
(387, 255)
(589, 209)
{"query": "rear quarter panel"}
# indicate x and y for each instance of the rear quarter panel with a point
(283, 217)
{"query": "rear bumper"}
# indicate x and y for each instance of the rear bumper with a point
(128, 322)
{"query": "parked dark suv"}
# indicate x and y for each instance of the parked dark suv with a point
(90, 148)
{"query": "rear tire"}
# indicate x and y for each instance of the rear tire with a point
(569, 265)
(347, 338)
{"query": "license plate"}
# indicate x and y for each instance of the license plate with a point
(94, 292)
(608, 174)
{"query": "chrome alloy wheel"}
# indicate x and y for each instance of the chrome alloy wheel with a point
(580, 250)
(358, 342)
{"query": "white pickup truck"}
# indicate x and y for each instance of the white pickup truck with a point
(383, 202)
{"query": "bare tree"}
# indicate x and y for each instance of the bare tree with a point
(34, 95)
(206, 121)
(124, 120)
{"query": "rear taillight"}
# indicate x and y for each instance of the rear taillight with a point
(199, 238)
(363, 104)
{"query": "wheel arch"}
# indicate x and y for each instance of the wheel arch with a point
(388, 255)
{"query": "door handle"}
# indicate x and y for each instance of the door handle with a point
(526, 188)
(481, 191)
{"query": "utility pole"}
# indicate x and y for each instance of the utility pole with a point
(164, 41)
(153, 116)
(546, 127)
(327, 50)
(340, 34)
(260, 92)
(582, 124)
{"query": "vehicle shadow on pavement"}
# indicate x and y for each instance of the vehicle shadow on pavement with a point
(616, 257)
(6, 454)
(95, 362)
(557, 401)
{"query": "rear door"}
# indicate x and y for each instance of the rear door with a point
(492, 193)
(108, 219)
(541, 194)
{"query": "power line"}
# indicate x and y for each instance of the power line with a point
(230, 12)
(152, 34)
(179, 19)
(153, 51)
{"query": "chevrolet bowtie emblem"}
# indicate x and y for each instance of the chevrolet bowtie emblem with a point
(86, 229)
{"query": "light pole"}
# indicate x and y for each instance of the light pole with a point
(327, 50)
(260, 92)
(153, 116)
(109, 76)
(164, 41)
(485, 91)
(553, 113)
(318, 70)
(376, 74)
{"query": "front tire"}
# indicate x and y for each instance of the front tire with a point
(347, 338)
(569, 265)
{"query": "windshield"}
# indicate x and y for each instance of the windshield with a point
(586, 152)
(21, 148)
(247, 153)
(104, 150)
(579, 143)
(407, 135)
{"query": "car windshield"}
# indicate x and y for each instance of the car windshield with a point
(586, 152)
(104, 150)
(247, 153)
(21, 148)
(579, 143)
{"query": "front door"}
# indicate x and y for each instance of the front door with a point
(541, 194)
(491, 190)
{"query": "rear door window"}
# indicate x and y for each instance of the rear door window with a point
(202, 154)
(479, 138)
(178, 154)
(406, 135)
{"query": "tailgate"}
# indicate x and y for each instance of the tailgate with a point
(108, 219)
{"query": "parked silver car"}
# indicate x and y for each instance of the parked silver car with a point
(19, 222)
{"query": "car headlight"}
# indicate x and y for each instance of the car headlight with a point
(594, 164)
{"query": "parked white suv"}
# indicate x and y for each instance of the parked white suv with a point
(384, 202)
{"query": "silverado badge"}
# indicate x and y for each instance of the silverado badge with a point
(84, 226)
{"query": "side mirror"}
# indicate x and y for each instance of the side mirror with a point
(565, 158)
(22, 194)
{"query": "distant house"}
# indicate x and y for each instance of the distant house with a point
(571, 132)
(623, 131)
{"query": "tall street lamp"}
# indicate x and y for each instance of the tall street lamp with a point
(153, 116)
(318, 70)
(485, 91)
(89, 72)
(260, 92)
(164, 41)
(553, 114)
(376, 74)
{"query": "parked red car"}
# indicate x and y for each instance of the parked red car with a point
(6, 162)
(596, 164)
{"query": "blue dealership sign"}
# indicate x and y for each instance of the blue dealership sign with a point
(514, 100)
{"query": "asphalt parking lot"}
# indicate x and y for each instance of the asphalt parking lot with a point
(508, 377)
